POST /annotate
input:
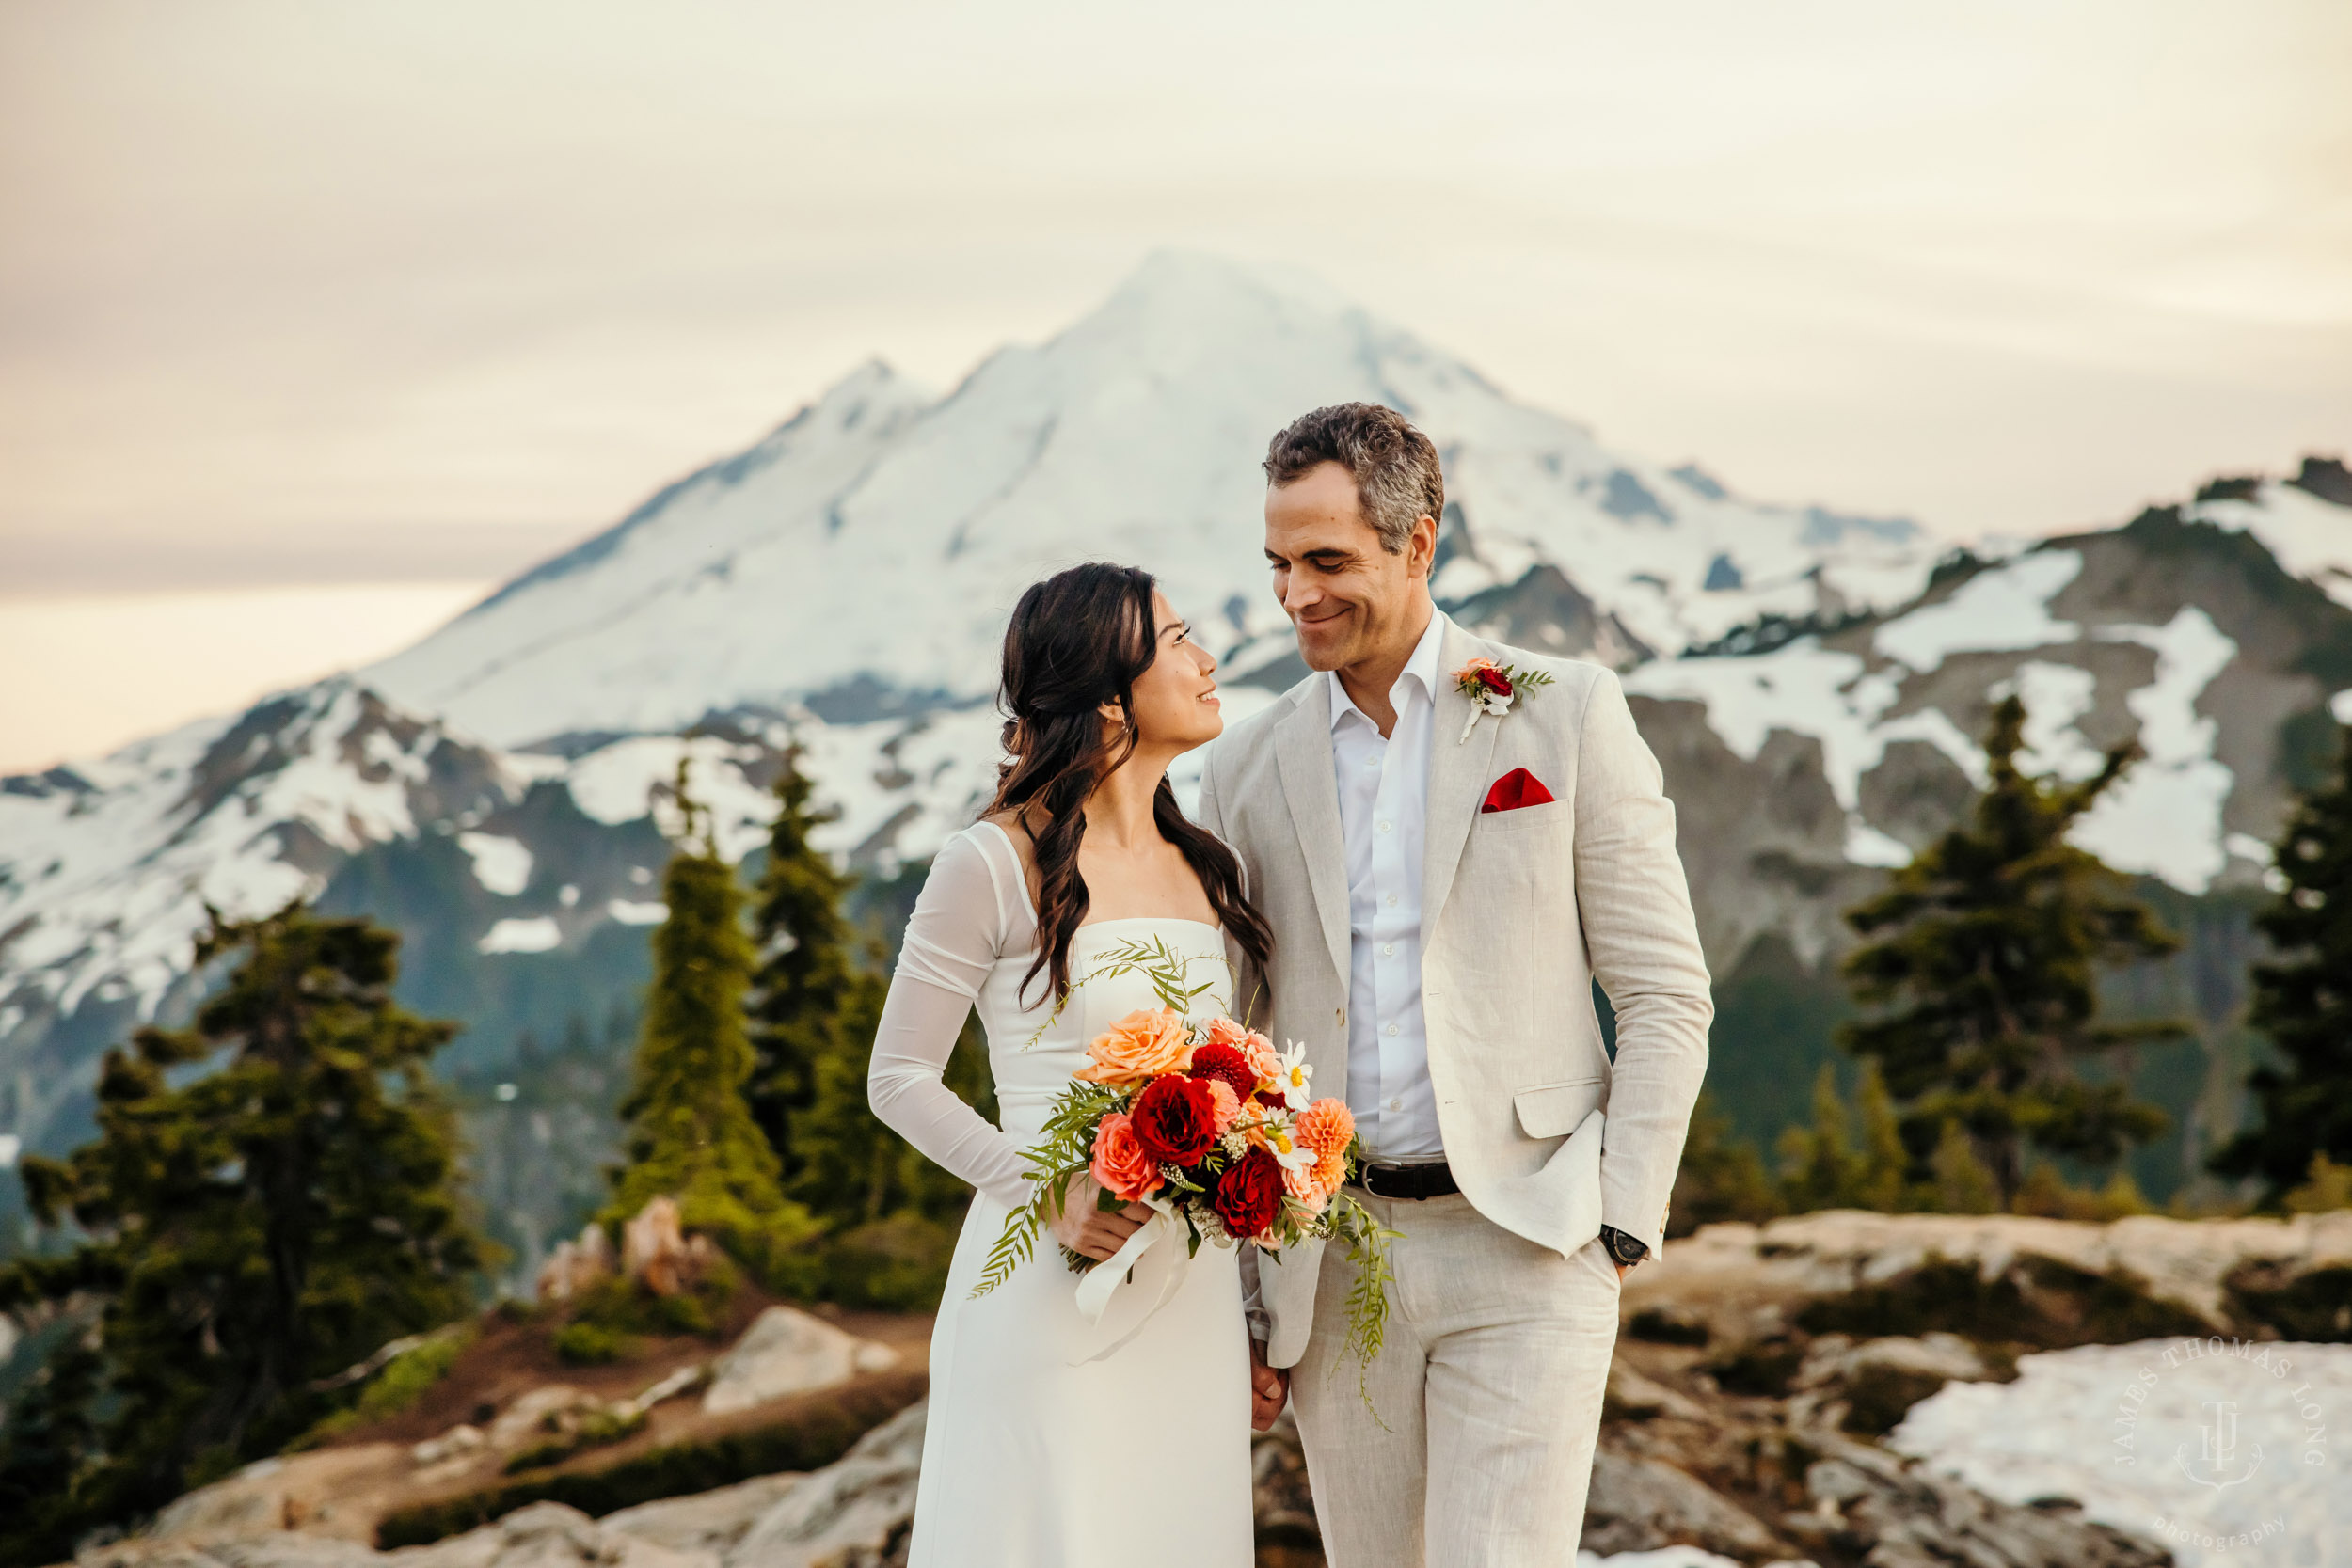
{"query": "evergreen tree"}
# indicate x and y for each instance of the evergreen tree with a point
(859, 1171)
(804, 989)
(1722, 1177)
(1984, 964)
(1826, 1167)
(47, 1444)
(691, 1135)
(258, 1228)
(2303, 1000)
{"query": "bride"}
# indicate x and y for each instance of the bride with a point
(1052, 1439)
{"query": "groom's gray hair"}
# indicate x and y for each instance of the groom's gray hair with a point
(1398, 481)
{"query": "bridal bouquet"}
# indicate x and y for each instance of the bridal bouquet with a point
(1212, 1126)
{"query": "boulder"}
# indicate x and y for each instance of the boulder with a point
(1896, 1514)
(1741, 1282)
(855, 1512)
(657, 1251)
(546, 1535)
(1864, 1387)
(707, 1521)
(303, 1492)
(574, 1266)
(1642, 1505)
(787, 1352)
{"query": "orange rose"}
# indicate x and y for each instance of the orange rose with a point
(1264, 1060)
(1224, 1031)
(1140, 1046)
(1304, 1186)
(1119, 1163)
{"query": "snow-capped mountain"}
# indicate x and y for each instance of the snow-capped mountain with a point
(869, 550)
(1813, 684)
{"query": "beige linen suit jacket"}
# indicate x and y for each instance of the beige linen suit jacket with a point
(1522, 911)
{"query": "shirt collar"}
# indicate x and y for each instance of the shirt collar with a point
(1423, 667)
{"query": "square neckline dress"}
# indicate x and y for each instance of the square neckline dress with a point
(1035, 1455)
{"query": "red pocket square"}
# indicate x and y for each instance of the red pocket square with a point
(1517, 788)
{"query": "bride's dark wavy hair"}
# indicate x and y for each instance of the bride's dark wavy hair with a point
(1081, 638)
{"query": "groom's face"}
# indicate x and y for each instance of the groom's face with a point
(1349, 599)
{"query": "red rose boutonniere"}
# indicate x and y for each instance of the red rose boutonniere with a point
(1492, 687)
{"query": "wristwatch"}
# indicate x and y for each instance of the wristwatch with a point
(1622, 1247)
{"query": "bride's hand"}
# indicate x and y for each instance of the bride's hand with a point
(1084, 1229)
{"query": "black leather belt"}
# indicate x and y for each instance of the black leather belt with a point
(1415, 1182)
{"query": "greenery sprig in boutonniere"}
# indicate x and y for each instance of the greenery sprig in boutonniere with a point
(1491, 689)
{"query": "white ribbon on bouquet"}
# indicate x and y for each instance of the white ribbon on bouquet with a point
(1157, 1270)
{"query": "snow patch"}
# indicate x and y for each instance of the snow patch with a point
(636, 778)
(1866, 845)
(2164, 815)
(2341, 705)
(11, 1146)
(2056, 698)
(502, 865)
(2055, 1433)
(2005, 608)
(630, 912)
(535, 934)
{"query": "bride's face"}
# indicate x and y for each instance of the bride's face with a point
(1175, 700)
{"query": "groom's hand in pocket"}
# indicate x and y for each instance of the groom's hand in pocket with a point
(1269, 1388)
(1086, 1227)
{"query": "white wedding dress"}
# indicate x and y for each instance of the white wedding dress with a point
(1035, 1455)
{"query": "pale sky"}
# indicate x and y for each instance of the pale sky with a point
(380, 303)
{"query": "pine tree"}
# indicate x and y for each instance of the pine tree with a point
(691, 1135)
(807, 977)
(1722, 1177)
(1827, 1166)
(261, 1225)
(2303, 1000)
(47, 1444)
(816, 1003)
(1984, 966)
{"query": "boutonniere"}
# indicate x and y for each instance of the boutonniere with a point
(1491, 689)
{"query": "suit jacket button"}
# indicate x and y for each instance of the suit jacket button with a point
(1339, 1015)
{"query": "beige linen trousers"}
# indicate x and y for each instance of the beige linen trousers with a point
(1475, 1447)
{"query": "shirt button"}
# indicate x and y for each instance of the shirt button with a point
(1391, 900)
(1388, 950)
(1384, 827)
(1391, 1031)
(1397, 1104)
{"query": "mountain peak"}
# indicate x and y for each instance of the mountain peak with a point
(1192, 282)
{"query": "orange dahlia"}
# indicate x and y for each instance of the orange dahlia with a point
(1327, 1127)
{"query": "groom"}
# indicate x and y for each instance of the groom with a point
(1446, 884)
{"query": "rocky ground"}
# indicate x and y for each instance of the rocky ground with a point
(1759, 1370)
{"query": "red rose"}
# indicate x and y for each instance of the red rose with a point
(1224, 1062)
(1249, 1194)
(1175, 1119)
(1495, 681)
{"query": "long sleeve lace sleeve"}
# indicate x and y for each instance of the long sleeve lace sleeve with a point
(952, 940)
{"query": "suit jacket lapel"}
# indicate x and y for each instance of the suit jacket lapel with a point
(1459, 777)
(1302, 747)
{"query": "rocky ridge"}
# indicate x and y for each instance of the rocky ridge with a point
(1747, 1413)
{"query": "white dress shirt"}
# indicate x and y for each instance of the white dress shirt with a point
(1384, 808)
